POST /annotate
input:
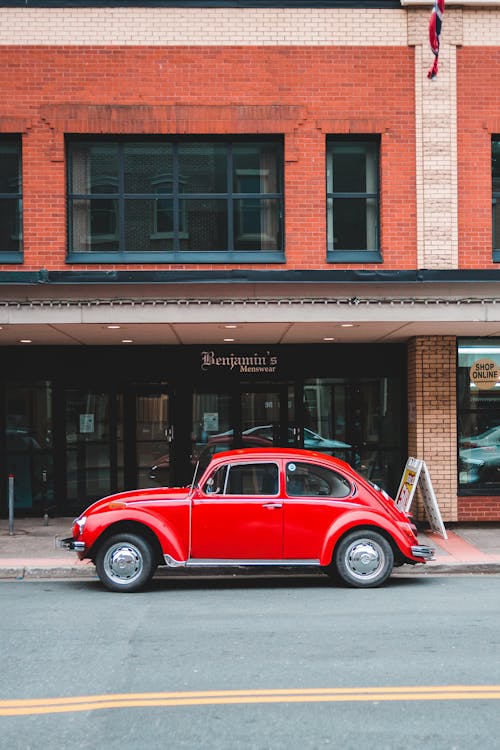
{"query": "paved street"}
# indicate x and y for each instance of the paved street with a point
(346, 666)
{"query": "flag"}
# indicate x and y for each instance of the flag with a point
(435, 33)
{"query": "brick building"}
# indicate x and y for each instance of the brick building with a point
(250, 219)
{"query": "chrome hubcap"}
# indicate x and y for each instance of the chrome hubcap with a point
(123, 562)
(364, 558)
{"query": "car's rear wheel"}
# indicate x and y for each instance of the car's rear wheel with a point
(125, 562)
(363, 559)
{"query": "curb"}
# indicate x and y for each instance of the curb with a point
(88, 571)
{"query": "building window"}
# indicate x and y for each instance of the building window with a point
(352, 175)
(11, 238)
(175, 200)
(478, 385)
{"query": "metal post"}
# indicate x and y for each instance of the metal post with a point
(11, 504)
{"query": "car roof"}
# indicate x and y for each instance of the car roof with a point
(297, 454)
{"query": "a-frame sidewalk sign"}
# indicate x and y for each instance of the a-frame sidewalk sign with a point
(416, 473)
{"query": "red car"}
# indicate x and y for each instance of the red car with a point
(258, 506)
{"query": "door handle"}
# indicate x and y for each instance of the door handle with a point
(272, 506)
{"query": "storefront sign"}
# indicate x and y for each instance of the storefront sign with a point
(254, 363)
(417, 473)
(484, 373)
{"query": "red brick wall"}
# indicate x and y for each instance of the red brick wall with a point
(304, 93)
(478, 509)
(478, 117)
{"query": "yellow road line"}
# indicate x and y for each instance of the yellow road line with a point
(25, 707)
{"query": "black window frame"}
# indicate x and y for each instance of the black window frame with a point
(231, 255)
(14, 256)
(361, 255)
(495, 198)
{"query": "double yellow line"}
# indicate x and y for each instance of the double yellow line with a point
(25, 707)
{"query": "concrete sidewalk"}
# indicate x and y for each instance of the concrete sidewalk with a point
(30, 551)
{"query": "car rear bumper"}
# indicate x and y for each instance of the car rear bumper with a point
(422, 552)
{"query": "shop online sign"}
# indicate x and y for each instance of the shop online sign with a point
(484, 374)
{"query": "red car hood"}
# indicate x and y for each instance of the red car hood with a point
(136, 496)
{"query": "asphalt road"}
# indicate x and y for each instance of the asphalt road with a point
(240, 664)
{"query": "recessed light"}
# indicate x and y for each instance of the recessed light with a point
(127, 341)
(347, 325)
(228, 340)
(113, 328)
(25, 341)
(230, 326)
(328, 338)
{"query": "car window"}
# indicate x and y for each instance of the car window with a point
(244, 479)
(310, 480)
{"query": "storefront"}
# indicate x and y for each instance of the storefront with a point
(79, 423)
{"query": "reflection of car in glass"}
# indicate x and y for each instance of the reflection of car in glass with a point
(479, 457)
(263, 506)
(312, 441)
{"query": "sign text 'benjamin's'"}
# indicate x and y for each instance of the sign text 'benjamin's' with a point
(245, 363)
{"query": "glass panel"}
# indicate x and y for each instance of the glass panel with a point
(152, 447)
(354, 168)
(93, 168)
(202, 168)
(256, 224)
(10, 167)
(260, 418)
(354, 222)
(495, 165)
(140, 232)
(10, 225)
(496, 223)
(206, 225)
(148, 167)
(358, 422)
(255, 168)
(212, 427)
(94, 225)
(479, 414)
(89, 454)
(29, 446)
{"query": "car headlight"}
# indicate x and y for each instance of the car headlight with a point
(79, 525)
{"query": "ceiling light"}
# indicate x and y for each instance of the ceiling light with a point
(328, 338)
(113, 328)
(230, 326)
(347, 325)
(25, 341)
(228, 340)
(127, 341)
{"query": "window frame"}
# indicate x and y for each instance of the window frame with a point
(179, 202)
(495, 199)
(15, 256)
(363, 255)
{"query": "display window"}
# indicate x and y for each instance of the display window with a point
(478, 387)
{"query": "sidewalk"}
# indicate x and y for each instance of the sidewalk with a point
(30, 552)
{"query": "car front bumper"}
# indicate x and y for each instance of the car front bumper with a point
(69, 544)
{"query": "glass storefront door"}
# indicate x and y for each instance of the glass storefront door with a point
(28, 445)
(93, 431)
(149, 449)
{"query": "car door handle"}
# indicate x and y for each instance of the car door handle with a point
(271, 506)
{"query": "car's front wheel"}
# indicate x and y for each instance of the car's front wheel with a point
(125, 562)
(363, 559)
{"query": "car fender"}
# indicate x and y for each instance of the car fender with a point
(173, 538)
(364, 519)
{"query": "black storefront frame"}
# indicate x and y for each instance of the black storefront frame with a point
(180, 369)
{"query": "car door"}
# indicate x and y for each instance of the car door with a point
(237, 514)
(315, 496)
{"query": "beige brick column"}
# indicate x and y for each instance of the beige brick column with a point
(436, 139)
(432, 417)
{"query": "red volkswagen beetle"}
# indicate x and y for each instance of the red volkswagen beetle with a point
(250, 507)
